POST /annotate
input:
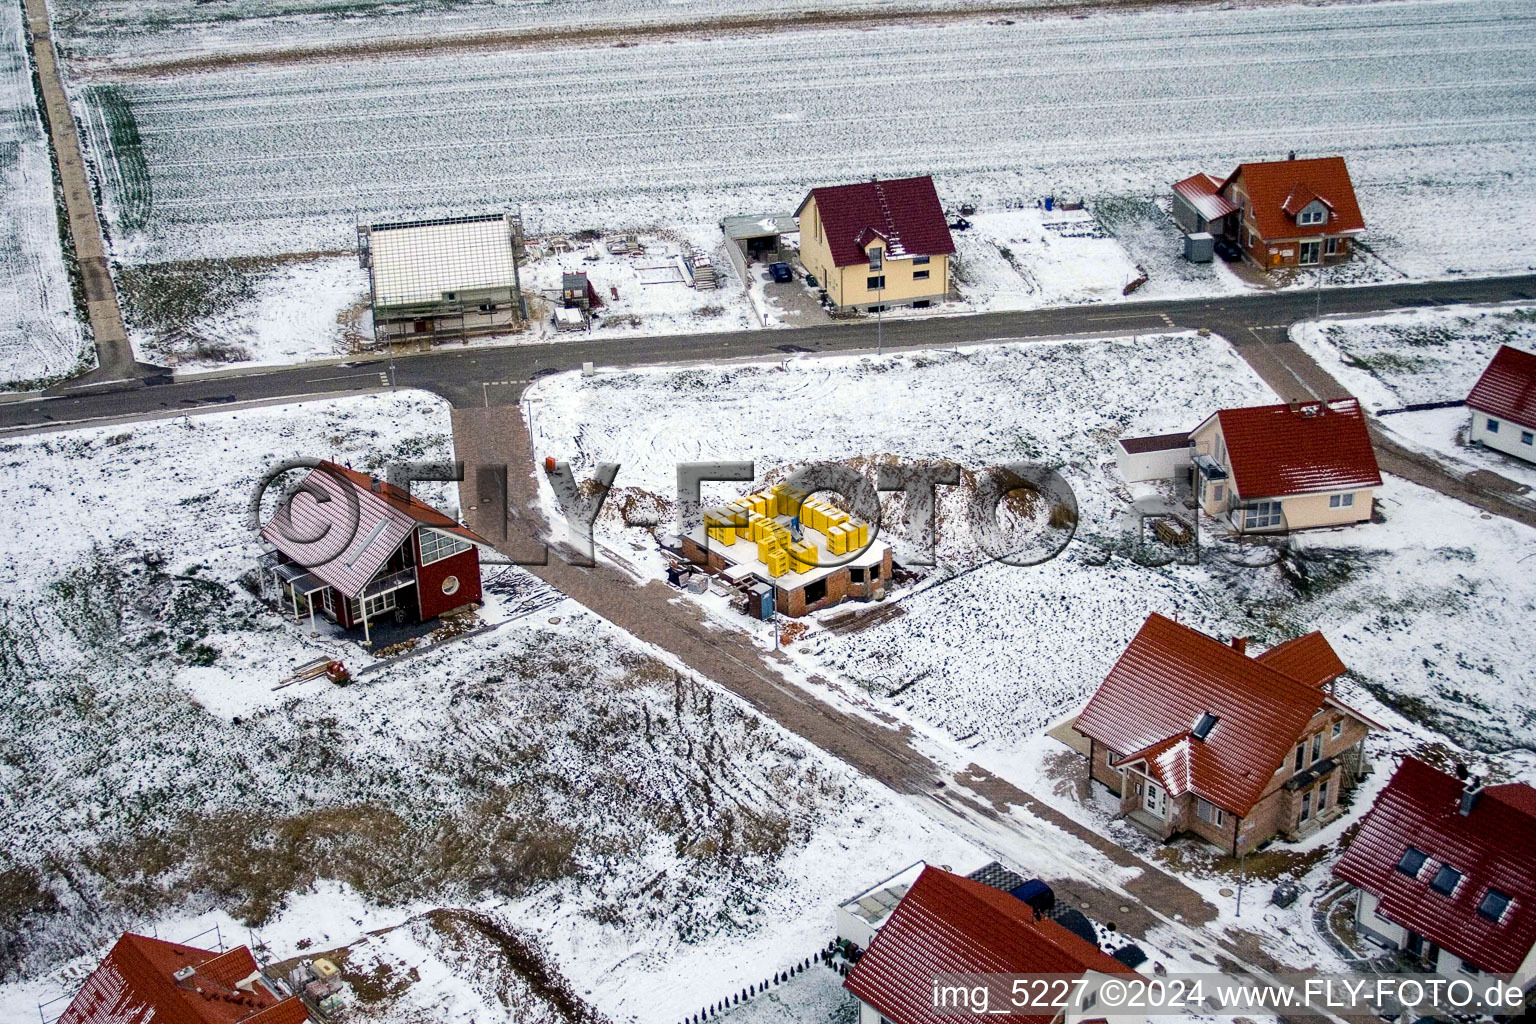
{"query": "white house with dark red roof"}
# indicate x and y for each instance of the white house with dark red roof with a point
(946, 924)
(1446, 871)
(1195, 736)
(877, 243)
(1503, 404)
(144, 980)
(353, 547)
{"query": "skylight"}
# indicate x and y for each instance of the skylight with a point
(1412, 861)
(1445, 880)
(1493, 905)
(1203, 727)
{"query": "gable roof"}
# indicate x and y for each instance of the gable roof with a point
(1171, 675)
(136, 984)
(904, 212)
(947, 924)
(1278, 190)
(1203, 192)
(1308, 659)
(1507, 388)
(1280, 450)
(1494, 845)
(345, 554)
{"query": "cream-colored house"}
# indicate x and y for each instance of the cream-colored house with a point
(877, 244)
(1285, 467)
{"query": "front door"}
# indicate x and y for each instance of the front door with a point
(1309, 253)
(1156, 800)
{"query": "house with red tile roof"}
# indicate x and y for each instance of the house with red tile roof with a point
(1272, 468)
(877, 244)
(1196, 736)
(946, 924)
(1283, 213)
(144, 979)
(1503, 404)
(353, 547)
(1445, 870)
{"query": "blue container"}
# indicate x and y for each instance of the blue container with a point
(1050, 201)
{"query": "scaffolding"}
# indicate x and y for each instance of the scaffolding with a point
(449, 278)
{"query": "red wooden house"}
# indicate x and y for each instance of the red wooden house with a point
(368, 549)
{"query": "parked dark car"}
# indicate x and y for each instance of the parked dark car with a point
(781, 272)
(959, 224)
(1228, 250)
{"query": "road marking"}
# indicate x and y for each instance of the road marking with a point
(346, 376)
(1166, 319)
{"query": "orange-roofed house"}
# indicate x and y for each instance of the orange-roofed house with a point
(1198, 736)
(947, 924)
(1283, 213)
(1503, 404)
(1272, 468)
(144, 980)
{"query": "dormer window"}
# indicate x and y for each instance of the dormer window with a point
(876, 258)
(1313, 213)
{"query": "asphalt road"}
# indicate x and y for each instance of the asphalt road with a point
(493, 375)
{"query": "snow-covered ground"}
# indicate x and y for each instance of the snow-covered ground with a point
(263, 160)
(40, 336)
(1423, 357)
(982, 658)
(644, 835)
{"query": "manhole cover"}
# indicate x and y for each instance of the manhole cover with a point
(555, 621)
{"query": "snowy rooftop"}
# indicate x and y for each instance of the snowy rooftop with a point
(756, 225)
(425, 261)
(876, 903)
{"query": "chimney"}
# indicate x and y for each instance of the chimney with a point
(1240, 644)
(374, 485)
(1470, 791)
(1291, 155)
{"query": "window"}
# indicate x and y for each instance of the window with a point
(486, 307)
(876, 258)
(376, 605)
(450, 585)
(1467, 967)
(919, 275)
(1313, 214)
(1322, 797)
(1306, 807)
(1261, 515)
(1445, 880)
(328, 601)
(1218, 492)
(1331, 247)
(1301, 754)
(1526, 437)
(1493, 905)
(1317, 746)
(875, 282)
(1109, 758)
(1493, 426)
(437, 546)
(1412, 861)
(921, 261)
(1310, 253)
(1338, 728)
(1204, 726)
(1209, 812)
(1340, 500)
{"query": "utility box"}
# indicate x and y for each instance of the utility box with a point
(760, 601)
(1199, 247)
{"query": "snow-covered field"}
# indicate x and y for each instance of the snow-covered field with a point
(638, 832)
(1423, 357)
(1426, 608)
(263, 160)
(40, 336)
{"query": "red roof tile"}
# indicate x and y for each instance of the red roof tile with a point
(947, 924)
(1276, 187)
(1171, 675)
(136, 984)
(1280, 450)
(1309, 659)
(1507, 388)
(1203, 192)
(1493, 846)
(905, 212)
(346, 554)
